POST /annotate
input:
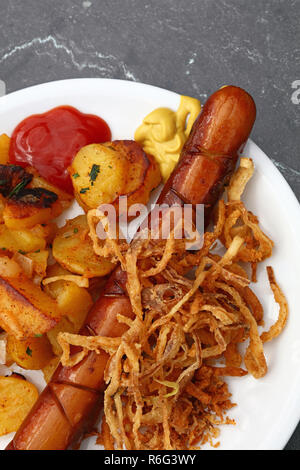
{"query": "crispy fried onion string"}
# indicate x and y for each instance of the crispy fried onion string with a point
(79, 280)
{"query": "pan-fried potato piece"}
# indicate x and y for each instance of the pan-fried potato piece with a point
(4, 149)
(18, 214)
(30, 200)
(31, 353)
(33, 265)
(25, 310)
(73, 249)
(9, 267)
(50, 368)
(21, 240)
(39, 182)
(45, 231)
(40, 261)
(98, 175)
(143, 172)
(102, 172)
(17, 397)
(73, 301)
(63, 325)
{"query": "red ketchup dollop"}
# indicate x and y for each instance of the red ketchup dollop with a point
(50, 141)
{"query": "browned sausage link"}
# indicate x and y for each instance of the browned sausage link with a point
(70, 402)
(211, 151)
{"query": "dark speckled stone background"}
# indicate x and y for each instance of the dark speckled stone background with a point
(191, 47)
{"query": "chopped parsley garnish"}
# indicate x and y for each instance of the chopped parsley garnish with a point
(37, 251)
(22, 252)
(18, 188)
(28, 351)
(84, 190)
(38, 336)
(3, 248)
(76, 175)
(94, 173)
(75, 230)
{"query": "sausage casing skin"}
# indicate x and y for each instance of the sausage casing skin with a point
(210, 154)
(70, 403)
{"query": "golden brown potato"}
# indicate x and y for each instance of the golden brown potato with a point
(32, 207)
(98, 175)
(17, 397)
(50, 368)
(21, 240)
(73, 249)
(25, 310)
(9, 267)
(29, 199)
(143, 172)
(102, 172)
(31, 353)
(40, 260)
(4, 149)
(39, 182)
(73, 301)
(63, 325)
(45, 231)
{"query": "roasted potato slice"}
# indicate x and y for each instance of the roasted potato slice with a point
(17, 397)
(98, 174)
(45, 231)
(73, 249)
(73, 301)
(40, 261)
(21, 240)
(31, 353)
(102, 172)
(31, 207)
(13, 178)
(63, 325)
(4, 149)
(50, 368)
(143, 172)
(38, 181)
(9, 267)
(25, 310)
(29, 199)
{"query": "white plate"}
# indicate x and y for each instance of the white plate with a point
(268, 409)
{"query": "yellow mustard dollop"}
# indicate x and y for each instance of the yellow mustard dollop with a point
(163, 132)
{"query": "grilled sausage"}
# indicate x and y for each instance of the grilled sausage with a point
(210, 154)
(70, 403)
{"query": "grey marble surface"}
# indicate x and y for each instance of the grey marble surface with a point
(189, 46)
